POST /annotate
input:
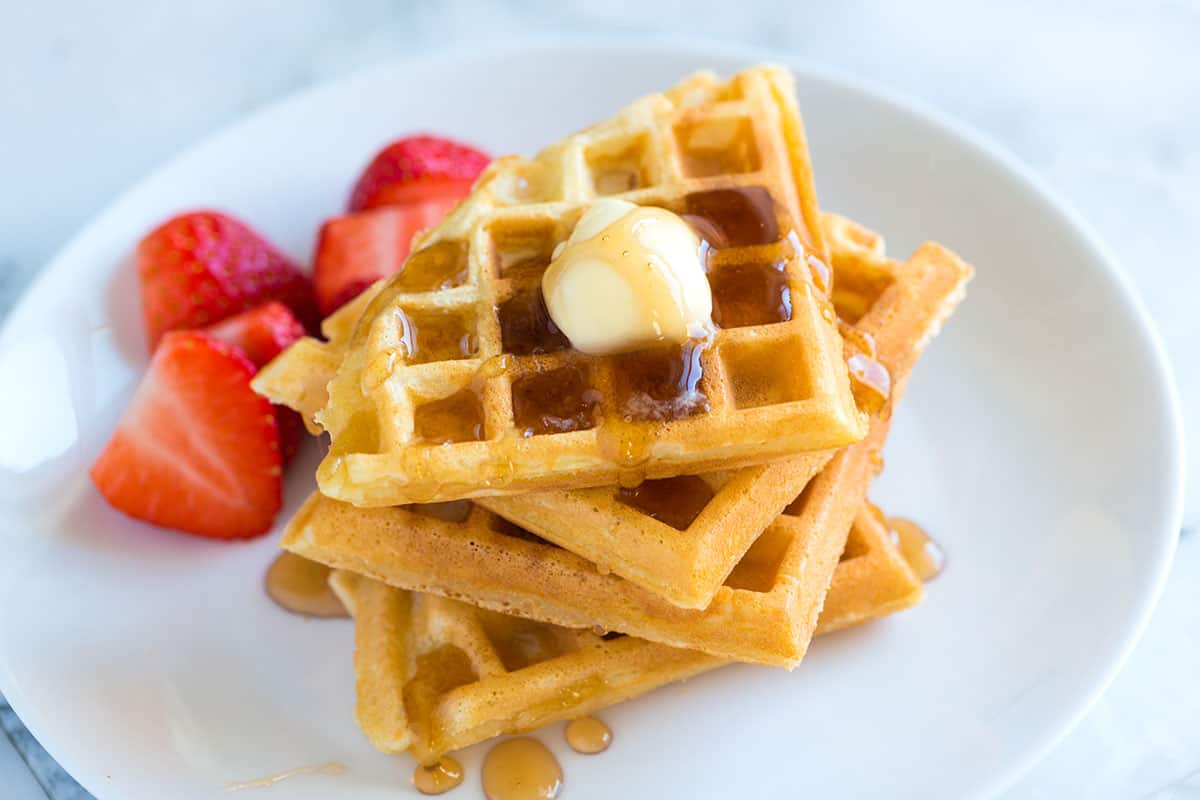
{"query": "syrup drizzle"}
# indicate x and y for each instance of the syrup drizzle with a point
(922, 553)
(438, 778)
(521, 769)
(328, 768)
(302, 587)
(870, 381)
(588, 735)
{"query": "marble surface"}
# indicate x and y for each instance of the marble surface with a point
(1102, 98)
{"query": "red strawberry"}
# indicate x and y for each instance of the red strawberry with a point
(417, 168)
(356, 250)
(261, 334)
(196, 449)
(201, 267)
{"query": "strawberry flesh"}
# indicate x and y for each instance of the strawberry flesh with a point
(357, 250)
(197, 449)
(261, 334)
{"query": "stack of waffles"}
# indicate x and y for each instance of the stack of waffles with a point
(524, 533)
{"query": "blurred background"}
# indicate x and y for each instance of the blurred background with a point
(1101, 98)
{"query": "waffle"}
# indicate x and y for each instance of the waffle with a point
(678, 537)
(764, 612)
(681, 536)
(455, 384)
(435, 675)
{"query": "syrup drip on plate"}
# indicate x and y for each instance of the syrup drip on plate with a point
(302, 587)
(588, 735)
(521, 769)
(329, 768)
(922, 553)
(438, 778)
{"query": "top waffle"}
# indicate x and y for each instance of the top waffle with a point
(454, 383)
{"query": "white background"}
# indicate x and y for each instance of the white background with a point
(1102, 98)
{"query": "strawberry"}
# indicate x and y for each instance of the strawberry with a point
(417, 168)
(201, 267)
(196, 449)
(261, 334)
(356, 250)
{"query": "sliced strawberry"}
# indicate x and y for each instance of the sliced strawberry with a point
(261, 334)
(417, 168)
(204, 266)
(356, 250)
(196, 449)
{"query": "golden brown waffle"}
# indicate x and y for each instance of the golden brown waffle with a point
(435, 675)
(681, 536)
(670, 536)
(764, 612)
(455, 384)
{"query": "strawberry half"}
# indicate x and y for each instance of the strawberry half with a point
(261, 334)
(204, 266)
(356, 250)
(418, 168)
(196, 449)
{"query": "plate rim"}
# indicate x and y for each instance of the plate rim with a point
(983, 144)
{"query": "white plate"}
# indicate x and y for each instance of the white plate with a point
(1040, 441)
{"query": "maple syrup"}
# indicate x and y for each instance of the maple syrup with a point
(521, 769)
(672, 501)
(328, 768)
(588, 735)
(921, 552)
(442, 265)
(359, 435)
(661, 384)
(855, 292)
(557, 401)
(301, 586)
(526, 327)
(738, 217)
(870, 381)
(456, 418)
(436, 334)
(439, 777)
(818, 270)
(750, 294)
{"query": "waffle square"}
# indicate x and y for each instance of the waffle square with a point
(435, 675)
(454, 383)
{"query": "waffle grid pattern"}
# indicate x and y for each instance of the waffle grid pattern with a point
(455, 384)
(436, 675)
(765, 612)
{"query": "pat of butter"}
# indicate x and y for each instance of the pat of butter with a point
(627, 278)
